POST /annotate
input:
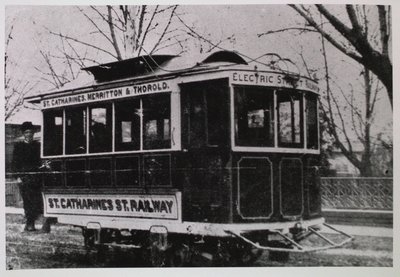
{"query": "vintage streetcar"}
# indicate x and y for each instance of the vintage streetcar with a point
(177, 158)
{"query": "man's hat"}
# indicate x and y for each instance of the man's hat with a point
(27, 125)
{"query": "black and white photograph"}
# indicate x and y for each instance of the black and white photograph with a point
(203, 136)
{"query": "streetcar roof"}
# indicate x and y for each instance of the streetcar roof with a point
(159, 67)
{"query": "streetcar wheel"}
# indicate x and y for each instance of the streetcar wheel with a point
(95, 253)
(157, 256)
(222, 257)
(179, 255)
(158, 244)
(89, 237)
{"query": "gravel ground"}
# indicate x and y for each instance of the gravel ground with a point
(63, 248)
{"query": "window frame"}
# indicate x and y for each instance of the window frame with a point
(138, 169)
(174, 122)
(293, 119)
(120, 146)
(143, 114)
(86, 146)
(203, 99)
(109, 126)
(256, 91)
(275, 148)
(52, 112)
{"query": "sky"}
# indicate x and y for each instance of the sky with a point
(242, 22)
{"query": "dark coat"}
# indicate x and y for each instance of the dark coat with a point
(26, 158)
(26, 163)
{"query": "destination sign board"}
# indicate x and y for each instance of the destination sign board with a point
(272, 79)
(109, 94)
(142, 206)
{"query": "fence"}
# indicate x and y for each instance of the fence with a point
(13, 198)
(357, 193)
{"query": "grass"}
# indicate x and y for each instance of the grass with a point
(63, 248)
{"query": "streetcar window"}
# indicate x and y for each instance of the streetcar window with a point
(53, 133)
(75, 173)
(54, 176)
(100, 172)
(289, 120)
(75, 130)
(127, 171)
(127, 125)
(156, 122)
(254, 117)
(312, 122)
(100, 129)
(157, 171)
(207, 104)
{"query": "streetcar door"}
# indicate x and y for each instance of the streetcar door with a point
(205, 140)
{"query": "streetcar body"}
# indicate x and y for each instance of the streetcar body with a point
(217, 149)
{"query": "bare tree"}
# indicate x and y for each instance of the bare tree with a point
(126, 30)
(205, 44)
(347, 114)
(117, 33)
(361, 118)
(360, 115)
(15, 88)
(348, 117)
(121, 32)
(370, 50)
(351, 126)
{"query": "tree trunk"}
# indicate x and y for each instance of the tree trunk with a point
(365, 168)
(383, 69)
(130, 34)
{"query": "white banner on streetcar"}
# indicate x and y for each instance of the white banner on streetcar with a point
(109, 94)
(273, 79)
(143, 206)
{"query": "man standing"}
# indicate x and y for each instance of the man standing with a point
(26, 164)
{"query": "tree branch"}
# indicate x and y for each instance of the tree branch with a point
(353, 19)
(335, 22)
(96, 26)
(161, 37)
(83, 43)
(335, 43)
(332, 131)
(383, 24)
(67, 57)
(114, 39)
(119, 19)
(300, 29)
(147, 29)
(141, 21)
(374, 98)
